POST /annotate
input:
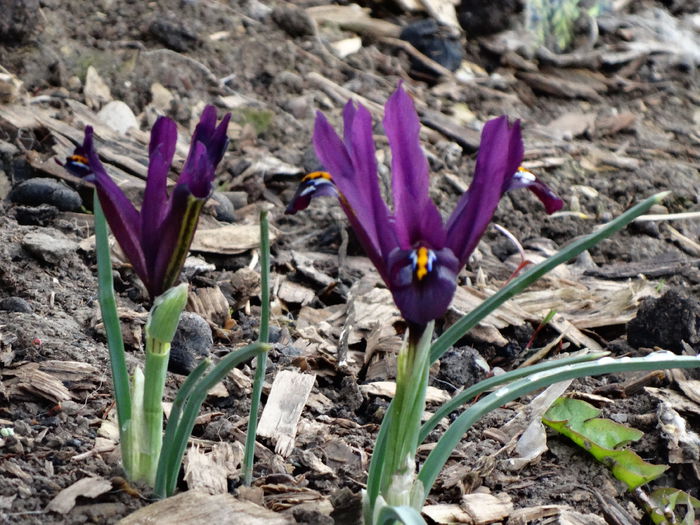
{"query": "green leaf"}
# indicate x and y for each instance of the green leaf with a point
(669, 499)
(602, 438)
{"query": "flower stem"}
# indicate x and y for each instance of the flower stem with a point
(412, 367)
(157, 354)
(261, 359)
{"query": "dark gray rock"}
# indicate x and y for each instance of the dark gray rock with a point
(293, 20)
(224, 210)
(192, 343)
(174, 34)
(41, 215)
(15, 304)
(40, 190)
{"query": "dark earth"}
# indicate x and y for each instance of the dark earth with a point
(266, 61)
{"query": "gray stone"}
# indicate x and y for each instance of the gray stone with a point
(224, 210)
(192, 343)
(15, 304)
(50, 247)
(41, 190)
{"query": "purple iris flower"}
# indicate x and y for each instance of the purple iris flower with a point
(417, 255)
(156, 239)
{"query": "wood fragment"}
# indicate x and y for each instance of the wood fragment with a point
(195, 508)
(64, 501)
(231, 239)
(210, 471)
(388, 389)
(280, 417)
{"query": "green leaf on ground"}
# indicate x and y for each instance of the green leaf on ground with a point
(667, 499)
(603, 439)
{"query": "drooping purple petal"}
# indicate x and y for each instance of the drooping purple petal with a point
(120, 213)
(161, 151)
(422, 299)
(523, 178)
(417, 217)
(500, 155)
(316, 184)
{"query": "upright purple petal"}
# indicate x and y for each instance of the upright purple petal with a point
(417, 217)
(122, 216)
(177, 229)
(161, 151)
(356, 180)
(196, 175)
(499, 157)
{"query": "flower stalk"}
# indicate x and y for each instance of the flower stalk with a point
(147, 428)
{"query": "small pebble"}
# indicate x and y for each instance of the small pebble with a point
(15, 304)
(192, 342)
(40, 190)
(224, 210)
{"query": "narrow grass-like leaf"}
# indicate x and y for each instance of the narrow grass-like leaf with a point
(440, 454)
(193, 404)
(170, 447)
(492, 382)
(404, 514)
(375, 473)
(115, 343)
(261, 360)
(517, 285)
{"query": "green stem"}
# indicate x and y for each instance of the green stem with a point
(412, 369)
(163, 475)
(157, 353)
(110, 318)
(261, 360)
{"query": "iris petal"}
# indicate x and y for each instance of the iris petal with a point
(312, 185)
(523, 178)
(421, 300)
(417, 217)
(161, 152)
(500, 155)
(122, 216)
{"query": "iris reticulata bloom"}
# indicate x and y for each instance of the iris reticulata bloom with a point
(156, 239)
(417, 255)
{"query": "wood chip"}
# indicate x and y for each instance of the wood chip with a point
(474, 509)
(557, 86)
(210, 471)
(29, 378)
(86, 488)
(353, 18)
(287, 398)
(388, 389)
(194, 508)
(295, 293)
(231, 239)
